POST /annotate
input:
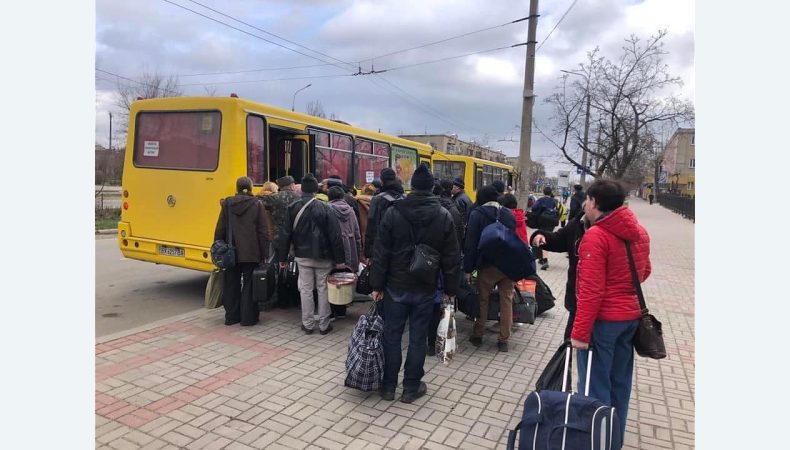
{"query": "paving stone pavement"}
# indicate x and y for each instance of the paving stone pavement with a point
(192, 382)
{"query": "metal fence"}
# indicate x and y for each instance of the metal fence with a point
(679, 204)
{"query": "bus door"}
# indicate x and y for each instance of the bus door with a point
(426, 160)
(288, 156)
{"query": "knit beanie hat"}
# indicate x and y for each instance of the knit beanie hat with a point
(387, 175)
(459, 182)
(447, 187)
(334, 181)
(309, 184)
(487, 194)
(500, 186)
(285, 181)
(422, 179)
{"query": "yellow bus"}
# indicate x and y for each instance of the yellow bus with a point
(185, 153)
(475, 172)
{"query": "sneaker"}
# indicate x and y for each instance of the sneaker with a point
(328, 329)
(476, 341)
(387, 394)
(307, 330)
(410, 396)
(544, 266)
(502, 346)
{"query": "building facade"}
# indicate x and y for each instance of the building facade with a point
(677, 170)
(450, 144)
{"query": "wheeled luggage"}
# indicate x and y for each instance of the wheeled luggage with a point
(524, 304)
(566, 420)
(263, 284)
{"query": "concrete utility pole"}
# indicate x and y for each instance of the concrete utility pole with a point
(109, 140)
(524, 159)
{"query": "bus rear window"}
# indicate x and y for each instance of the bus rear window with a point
(177, 140)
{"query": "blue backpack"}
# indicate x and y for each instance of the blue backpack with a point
(502, 246)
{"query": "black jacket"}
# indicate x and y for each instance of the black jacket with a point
(566, 240)
(481, 217)
(448, 204)
(317, 235)
(250, 229)
(464, 205)
(378, 206)
(432, 225)
(576, 203)
(352, 202)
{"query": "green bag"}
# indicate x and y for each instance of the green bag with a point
(216, 282)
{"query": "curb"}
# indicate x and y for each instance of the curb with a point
(107, 231)
(152, 325)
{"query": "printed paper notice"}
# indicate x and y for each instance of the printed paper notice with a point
(151, 148)
(368, 176)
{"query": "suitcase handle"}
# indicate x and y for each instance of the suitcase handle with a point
(568, 375)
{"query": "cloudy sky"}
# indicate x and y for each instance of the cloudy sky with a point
(477, 96)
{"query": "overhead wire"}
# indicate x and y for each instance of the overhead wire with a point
(137, 82)
(557, 24)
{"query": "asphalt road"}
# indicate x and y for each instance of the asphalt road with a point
(133, 293)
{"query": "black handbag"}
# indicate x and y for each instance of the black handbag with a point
(363, 282)
(551, 379)
(424, 264)
(524, 307)
(649, 338)
(223, 253)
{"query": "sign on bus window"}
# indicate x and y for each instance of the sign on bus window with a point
(404, 162)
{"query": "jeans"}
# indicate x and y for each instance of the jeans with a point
(487, 278)
(312, 275)
(400, 306)
(237, 295)
(612, 365)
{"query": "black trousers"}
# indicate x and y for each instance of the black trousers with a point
(569, 325)
(436, 317)
(538, 251)
(237, 295)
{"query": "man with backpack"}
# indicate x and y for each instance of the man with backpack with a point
(416, 242)
(488, 274)
(545, 215)
(391, 191)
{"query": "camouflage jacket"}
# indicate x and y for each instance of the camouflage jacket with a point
(278, 205)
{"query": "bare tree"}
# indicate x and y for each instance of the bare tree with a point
(149, 85)
(315, 108)
(211, 91)
(625, 101)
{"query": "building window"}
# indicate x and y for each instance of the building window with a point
(692, 163)
(690, 186)
(692, 139)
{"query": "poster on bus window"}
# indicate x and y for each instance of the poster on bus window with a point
(404, 162)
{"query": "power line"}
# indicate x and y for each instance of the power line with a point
(445, 40)
(556, 25)
(139, 82)
(407, 66)
(266, 80)
(250, 34)
(264, 69)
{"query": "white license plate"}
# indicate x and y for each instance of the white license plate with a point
(171, 251)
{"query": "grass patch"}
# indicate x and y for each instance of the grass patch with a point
(107, 218)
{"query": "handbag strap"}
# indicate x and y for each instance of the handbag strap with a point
(230, 221)
(635, 279)
(411, 227)
(299, 214)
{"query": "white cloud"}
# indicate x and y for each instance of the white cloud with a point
(494, 70)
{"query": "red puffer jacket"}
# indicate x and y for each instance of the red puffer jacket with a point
(521, 225)
(604, 290)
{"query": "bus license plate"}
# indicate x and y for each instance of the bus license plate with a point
(171, 251)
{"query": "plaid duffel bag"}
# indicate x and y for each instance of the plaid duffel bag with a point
(365, 361)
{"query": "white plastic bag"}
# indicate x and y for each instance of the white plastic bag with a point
(445, 333)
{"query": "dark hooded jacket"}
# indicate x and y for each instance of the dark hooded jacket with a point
(566, 240)
(448, 204)
(250, 229)
(378, 206)
(431, 225)
(352, 242)
(576, 203)
(604, 288)
(464, 205)
(316, 236)
(481, 217)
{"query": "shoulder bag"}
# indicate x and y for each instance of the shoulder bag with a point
(649, 339)
(424, 264)
(223, 253)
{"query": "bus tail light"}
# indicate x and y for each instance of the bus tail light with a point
(125, 194)
(125, 243)
(123, 233)
(125, 205)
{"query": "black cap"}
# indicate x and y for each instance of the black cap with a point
(285, 181)
(388, 175)
(309, 184)
(459, 182)
(500, 186)
(422, 179)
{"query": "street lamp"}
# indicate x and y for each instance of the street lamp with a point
(293, 102)
(586, 124)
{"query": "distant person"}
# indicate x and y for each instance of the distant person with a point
(352, 241)
(377, 184)
(335, 180)
(363, 200)
(249, 235)
(607, 309)
(267, 191)
(544, 205)
(392, 191)
(443, 189)
(317, 246)
(565, 195)
(419, 218)
(650, 195)
(488, 275)
(461, 199)
(563, 213)
(278, 203)
(576, 201)
(509, 201)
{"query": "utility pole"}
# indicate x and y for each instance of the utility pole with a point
(524, 159)
(109, 142)
(586, 134)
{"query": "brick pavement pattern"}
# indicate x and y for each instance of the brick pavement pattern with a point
(195, 383)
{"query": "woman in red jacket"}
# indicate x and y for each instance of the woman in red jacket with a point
(509, 201)
(607, 309)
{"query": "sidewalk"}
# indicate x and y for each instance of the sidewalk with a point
(193, 383)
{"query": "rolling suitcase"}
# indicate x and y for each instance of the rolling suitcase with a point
(263, 284)
(566, 420)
